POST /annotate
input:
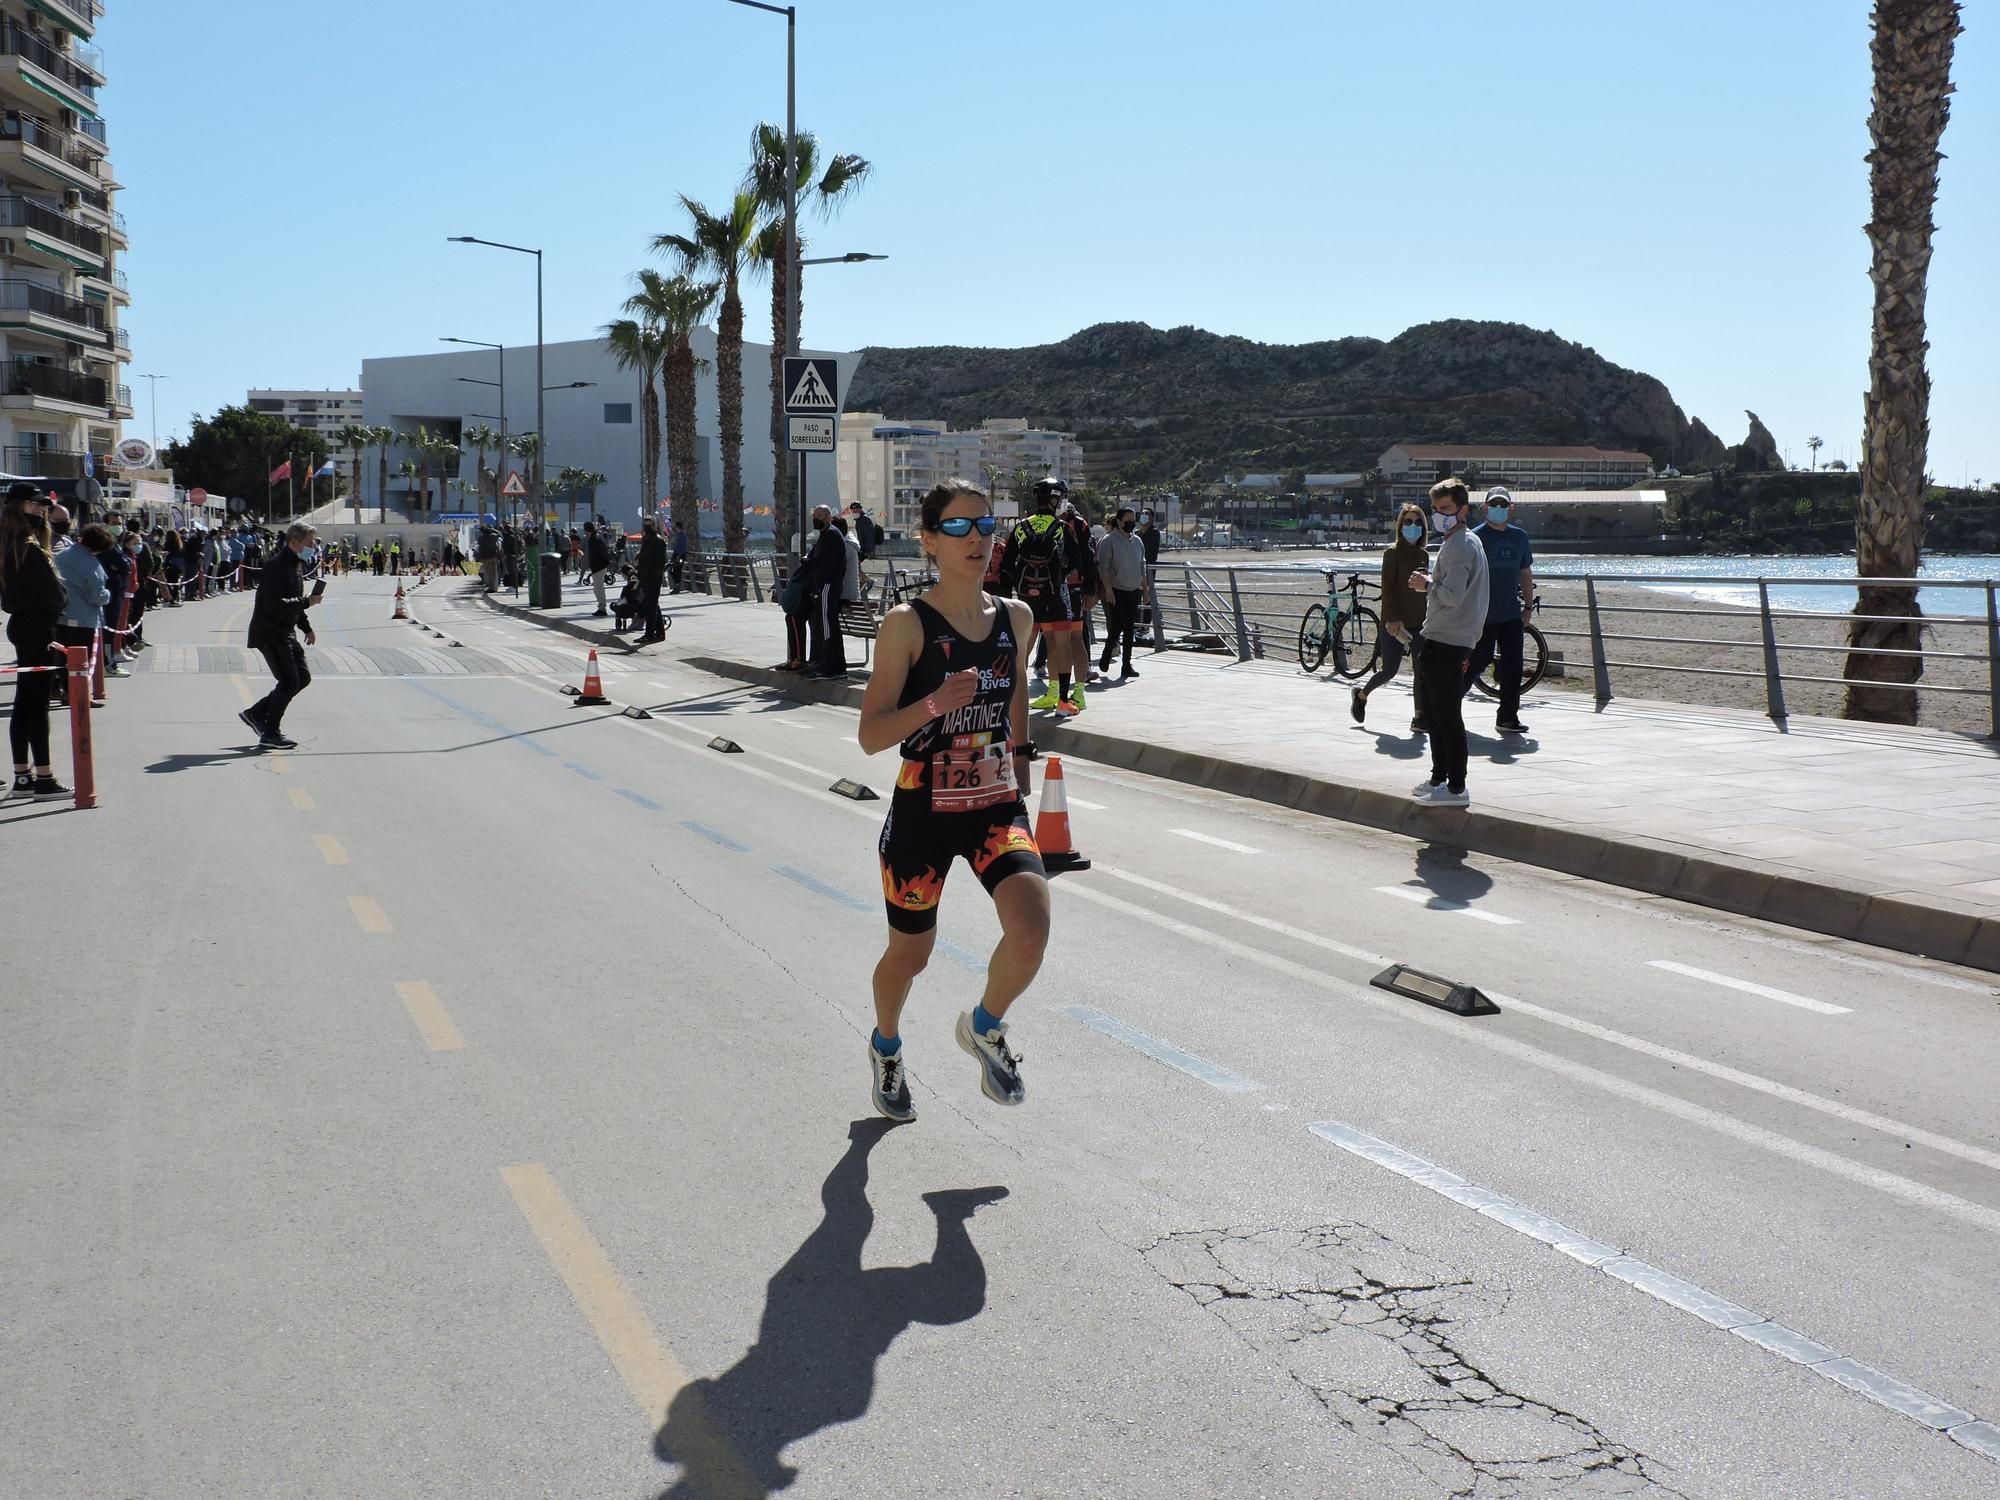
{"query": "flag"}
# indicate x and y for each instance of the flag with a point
(324, 470)
(283, 471)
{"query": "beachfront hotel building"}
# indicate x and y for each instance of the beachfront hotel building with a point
(1412, 468)
(888, 466)
(323, 412)
(64, 393)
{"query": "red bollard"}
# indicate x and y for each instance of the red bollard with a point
(83, 770)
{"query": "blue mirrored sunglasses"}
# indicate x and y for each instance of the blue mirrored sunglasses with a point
(962, 525)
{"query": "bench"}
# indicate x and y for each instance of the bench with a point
(859, 622)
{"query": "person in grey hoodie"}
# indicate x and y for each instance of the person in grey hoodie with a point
(83, 575)
(1455, 597)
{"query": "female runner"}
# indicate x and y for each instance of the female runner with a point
(951, 687)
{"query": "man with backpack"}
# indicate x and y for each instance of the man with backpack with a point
(1045, 569)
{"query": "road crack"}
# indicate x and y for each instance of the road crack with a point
(1368, 1328)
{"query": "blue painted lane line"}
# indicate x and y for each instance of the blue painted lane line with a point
(582, 770)
(518, 736)
(834, 893)
(721, 839)
(1878, 1386)
(1212, 1074)
(640, 799)
(960, 956)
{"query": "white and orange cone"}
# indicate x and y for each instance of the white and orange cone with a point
(401, 613)
(1052, 823)
(593, 689)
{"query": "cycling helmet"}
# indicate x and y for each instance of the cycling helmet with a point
(1052, 490)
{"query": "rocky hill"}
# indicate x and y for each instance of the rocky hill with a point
(1183, 404)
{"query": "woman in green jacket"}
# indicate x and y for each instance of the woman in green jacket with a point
(1402, 608)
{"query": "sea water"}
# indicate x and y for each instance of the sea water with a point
(1835, 599)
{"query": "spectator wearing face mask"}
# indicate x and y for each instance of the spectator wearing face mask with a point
(34, 598)
(1510, 563)
(1121, 567)
(1455, 591)
(1402, 610)
(279, 612)
(82, 574)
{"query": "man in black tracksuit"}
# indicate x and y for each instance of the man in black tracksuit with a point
(826, 579)
(278, 611)
(652, 578)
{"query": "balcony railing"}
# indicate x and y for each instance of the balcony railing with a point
(44, 463)
(52, 382)
(86, 12)
(95, 130)
(25, 213)
(26, 296)
(122, 339)
(124, 401)
(88, 57)
(45, 137)
(22, 43)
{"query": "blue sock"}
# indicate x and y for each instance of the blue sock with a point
(888, 1047)
(982, 1020)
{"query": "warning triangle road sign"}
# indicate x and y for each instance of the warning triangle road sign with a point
(811, 388)
(513, 487)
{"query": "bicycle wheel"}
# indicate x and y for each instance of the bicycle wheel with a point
(1356, 644)
(1534, 662)
(1312, 638)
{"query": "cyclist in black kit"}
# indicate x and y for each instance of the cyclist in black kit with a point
(951, 687)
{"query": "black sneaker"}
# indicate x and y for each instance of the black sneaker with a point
(249, 716)
(892, 1085)
(999, 1065)
(1511, 726)
(1358, 706)
(24, 785)
(270, 739)
(1417, 726)
(48, 789)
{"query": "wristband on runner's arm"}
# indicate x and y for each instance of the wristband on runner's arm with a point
(931, 706)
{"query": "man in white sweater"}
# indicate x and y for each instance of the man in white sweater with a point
(1455, 596)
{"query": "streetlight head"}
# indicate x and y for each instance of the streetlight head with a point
(855, 255)
(460, 239)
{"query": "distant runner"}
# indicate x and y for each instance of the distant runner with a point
(1042, 567)
(951, 686)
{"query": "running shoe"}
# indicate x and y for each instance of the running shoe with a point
(892, 1085)
(114, 670)
(1047, 701)
(1417, 726)
(1444, 796)
(48, 789)
(999, 1065)
(270, 739)
(1511, 726)
(1076, 695)
(249, 716)
(1068, 709)
(1358, 706)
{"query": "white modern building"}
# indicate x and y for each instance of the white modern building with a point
(593, 411)
(1412, 468)
(64, 394)
(888, 465)
(323, 412)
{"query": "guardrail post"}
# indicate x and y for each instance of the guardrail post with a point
(83, 769)
(1599, 670)
(1153, 610)
(1774, 686)
(1242, 629)
(1993, 659)
(756, 583)
(1194, 616)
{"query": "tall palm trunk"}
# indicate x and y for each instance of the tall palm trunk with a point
(681, 465)
(382, 480)
(782, 488)
(354, 465)
(729, 394)
(649, 443)
(1911, 53)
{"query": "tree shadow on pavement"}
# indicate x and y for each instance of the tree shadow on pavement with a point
(826, 1323)
(1442, 870)
(173, 763)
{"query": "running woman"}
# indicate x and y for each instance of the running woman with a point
(951, 687)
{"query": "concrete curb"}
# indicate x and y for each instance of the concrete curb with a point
(1744, 887)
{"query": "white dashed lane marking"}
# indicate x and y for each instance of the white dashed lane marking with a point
(1426, 897)
(1785, 997)
(1209, 838)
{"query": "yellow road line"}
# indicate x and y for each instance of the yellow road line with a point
(369, 914)
(279, 764)
(302, 799)
(243, 689)
(330, 849)
(649, 1370)
(433, 1022)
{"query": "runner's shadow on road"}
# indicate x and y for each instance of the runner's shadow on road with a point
(173, 763)
(826, 1323)
(1409, 745)
(1442, 870)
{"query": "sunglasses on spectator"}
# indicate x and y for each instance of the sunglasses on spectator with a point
(963, 525)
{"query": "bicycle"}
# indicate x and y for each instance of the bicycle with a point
(1343, 625)
(1534, 658)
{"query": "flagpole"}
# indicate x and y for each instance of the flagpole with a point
(290, 505)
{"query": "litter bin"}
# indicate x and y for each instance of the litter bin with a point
(549, 596)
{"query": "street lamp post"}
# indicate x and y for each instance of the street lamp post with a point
(541, 430)
(156, 379)
(501, 351)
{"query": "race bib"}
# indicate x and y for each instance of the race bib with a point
(970, 772)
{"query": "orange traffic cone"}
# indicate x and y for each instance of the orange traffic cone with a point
(401, 613)
(1052, 825)
(593, 690)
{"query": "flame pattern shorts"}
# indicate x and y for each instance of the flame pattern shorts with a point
(919, 845)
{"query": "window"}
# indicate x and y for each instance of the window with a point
(618, 411)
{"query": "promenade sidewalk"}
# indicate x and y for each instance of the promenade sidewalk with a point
(1887, 835)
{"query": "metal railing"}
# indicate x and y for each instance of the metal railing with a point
(122, 338)
(26, 378)
(27, 296)
(45, 137)
(44, 463)
(96, 131)
(25, 213)
(22, 43)
(86, 12)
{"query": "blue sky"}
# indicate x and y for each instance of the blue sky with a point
(1679, 185)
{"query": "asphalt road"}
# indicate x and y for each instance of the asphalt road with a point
(474, 1102)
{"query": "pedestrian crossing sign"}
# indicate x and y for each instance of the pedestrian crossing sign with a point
(812, 387)
(513, 487)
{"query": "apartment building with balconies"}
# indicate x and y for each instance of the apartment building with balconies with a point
(327, 413)
(63, 385)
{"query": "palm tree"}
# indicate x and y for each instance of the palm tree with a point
(444, 453)
(823, 184)
(481, 437)
(681, 305)
(526, 446)
(354, 438)
(1911, 53)
(722, 244)
(637, 343)
(381, 439)
(407, 472)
